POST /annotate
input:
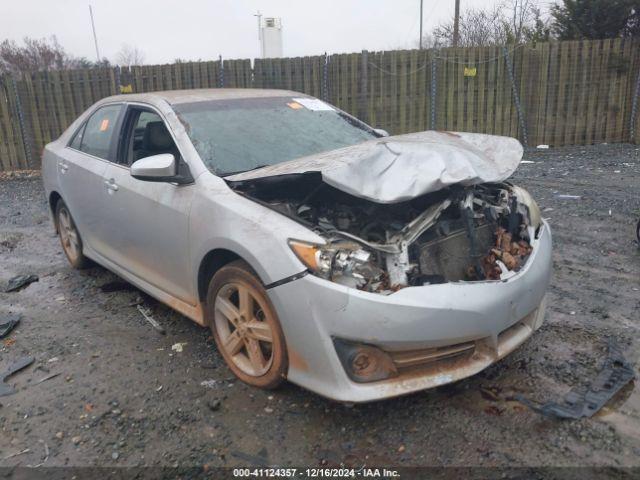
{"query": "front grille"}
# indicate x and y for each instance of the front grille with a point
(413, 358)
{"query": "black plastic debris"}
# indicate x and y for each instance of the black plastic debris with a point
(8, 323)
(6, 389)
(19, 282)
(586, 401)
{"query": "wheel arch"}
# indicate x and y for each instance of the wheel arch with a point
(211, 263)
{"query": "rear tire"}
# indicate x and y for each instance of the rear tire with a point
(70, 237)
(245, 326)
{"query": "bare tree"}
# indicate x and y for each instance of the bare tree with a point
(129, 55)
(527, 23)
(522, 13)
(478, 28)
(512, 21)
(429, 41)
(37, 55)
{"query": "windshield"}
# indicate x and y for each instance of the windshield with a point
(237, 135)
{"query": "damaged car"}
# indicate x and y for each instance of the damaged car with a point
(317, 249)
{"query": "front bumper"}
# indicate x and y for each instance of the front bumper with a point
(496, 316)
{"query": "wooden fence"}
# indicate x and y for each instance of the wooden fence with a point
(560, 93)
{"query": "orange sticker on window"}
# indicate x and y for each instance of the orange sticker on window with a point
(294, 105)
(104, 125)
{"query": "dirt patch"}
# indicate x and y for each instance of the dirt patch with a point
(122, 396)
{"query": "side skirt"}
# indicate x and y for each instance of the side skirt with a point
(195, 313)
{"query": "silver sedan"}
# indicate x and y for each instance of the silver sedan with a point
(317, 249)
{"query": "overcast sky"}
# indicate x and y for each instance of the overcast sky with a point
(203, 29)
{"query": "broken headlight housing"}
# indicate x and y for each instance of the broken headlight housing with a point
(531, 212)
(346, 263)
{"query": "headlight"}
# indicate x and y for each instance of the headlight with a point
(342, 262)
(525, 198)
(314, 258)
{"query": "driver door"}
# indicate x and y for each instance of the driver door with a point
(148, 228)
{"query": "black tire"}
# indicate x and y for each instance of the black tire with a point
(260, 357)
(70, 237)
(638, 232)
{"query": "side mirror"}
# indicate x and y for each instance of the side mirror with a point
(160, 168)
(157, 168)
(381, 132)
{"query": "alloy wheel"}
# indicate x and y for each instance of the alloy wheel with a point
(243, 328)
(68, 234)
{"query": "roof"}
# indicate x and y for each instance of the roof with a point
(205, 94)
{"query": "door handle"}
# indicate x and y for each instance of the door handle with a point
(111, 185)
(63, 166)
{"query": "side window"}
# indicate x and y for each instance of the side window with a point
(98, 132)
(77, 138)
(148, 136)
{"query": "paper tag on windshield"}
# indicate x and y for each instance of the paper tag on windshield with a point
(313, 104)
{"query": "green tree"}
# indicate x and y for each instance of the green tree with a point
(595, 19)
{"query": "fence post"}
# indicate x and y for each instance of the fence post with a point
(364, 113)
(434, 87)
(634, 109)
(116, 73)
(325, 78)
(221, 73)
(516, 97)
(23, 131)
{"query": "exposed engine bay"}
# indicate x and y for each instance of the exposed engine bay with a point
(474, 233)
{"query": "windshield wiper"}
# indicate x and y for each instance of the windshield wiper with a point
(228, 174)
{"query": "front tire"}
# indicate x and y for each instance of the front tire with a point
(245, 326)
(70, 237)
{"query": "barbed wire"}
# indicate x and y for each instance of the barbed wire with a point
(399, 74)
(448, 60)
(489, 60)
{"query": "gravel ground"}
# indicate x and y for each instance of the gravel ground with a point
(124, 397)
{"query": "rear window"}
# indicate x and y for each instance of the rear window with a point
(237, 135)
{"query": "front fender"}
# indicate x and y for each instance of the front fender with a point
(223, 219)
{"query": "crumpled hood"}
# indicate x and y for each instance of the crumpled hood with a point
(398, 168)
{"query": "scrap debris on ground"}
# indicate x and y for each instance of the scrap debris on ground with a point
(8, 323)
(146, 313)
(586, 401)
(19, 282)
(15, 367)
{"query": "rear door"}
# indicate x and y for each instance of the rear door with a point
(81, 169)
(148, 222)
